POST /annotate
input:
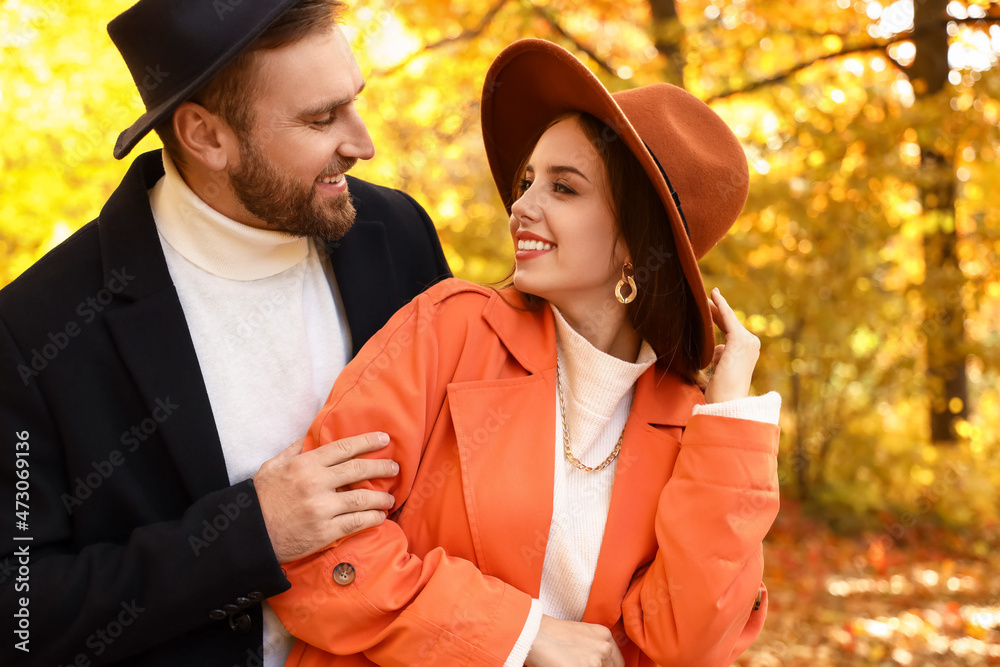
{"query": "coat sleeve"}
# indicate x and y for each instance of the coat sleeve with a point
(712, 516)
(57, 595)
(367, 592)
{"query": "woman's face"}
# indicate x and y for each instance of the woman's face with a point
(563, 227)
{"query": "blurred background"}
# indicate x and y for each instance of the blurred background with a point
(867, 258)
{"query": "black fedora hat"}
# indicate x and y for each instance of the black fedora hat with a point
(173, 47)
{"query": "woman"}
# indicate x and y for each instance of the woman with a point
(565, 494)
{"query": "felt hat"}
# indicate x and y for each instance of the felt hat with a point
(173, 47)
(693, 159)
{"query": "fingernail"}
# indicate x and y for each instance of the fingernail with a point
(383, 438)
(394, 467)
(715, 290)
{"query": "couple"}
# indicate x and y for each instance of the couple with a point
(565, 492)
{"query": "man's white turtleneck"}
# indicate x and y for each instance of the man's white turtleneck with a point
(598, 388)
(271, 337)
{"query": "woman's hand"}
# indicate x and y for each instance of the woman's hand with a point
(572, 644)
(734, 360)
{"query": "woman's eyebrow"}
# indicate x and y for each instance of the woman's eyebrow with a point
(566, 169)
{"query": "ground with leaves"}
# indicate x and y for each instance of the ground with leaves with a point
(920, 595)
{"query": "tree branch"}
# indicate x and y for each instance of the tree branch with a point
(777, 78)
(467, 34)
(861, 48)
(562, 31)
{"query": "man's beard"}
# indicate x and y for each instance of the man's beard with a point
(281, 202)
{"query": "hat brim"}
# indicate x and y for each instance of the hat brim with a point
(153, 117)
(534, 81)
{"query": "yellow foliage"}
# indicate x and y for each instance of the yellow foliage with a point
(827, 260)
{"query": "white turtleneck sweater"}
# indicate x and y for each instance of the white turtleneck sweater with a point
(598, 389)
(271, 337)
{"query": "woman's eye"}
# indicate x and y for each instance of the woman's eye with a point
(523, 185)
(563, 189)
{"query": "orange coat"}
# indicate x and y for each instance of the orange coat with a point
(464, 384)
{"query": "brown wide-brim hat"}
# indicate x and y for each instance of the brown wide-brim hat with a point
(670, 131)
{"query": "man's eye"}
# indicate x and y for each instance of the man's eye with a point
(323, 122)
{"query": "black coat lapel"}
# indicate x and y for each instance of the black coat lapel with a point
(151, 333)
(366, 280)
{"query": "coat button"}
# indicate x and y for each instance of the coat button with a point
(256, 596)
(217, 614)
(243, 602)
(239, 623)
(344, 574)
(230, 609)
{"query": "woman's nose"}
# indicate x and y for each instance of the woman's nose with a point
(526, 206)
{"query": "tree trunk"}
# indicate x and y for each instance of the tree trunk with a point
(668, 36)
(945, 316)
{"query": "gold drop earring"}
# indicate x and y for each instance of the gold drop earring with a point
(627, 273)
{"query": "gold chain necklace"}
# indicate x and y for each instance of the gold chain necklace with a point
(565, 424)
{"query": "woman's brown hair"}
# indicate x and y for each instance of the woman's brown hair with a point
(664, 312)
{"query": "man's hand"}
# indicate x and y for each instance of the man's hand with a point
(733, 361)
(572, 644)
(303, 510)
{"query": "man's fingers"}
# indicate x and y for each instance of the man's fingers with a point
(359, 470)
(290, 452)
(345, 449)
(348, 524)
(359, 500)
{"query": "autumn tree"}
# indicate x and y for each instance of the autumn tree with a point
(866, 258)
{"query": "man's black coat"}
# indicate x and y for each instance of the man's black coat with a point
(132, 535)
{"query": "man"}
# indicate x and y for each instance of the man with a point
(155, 367)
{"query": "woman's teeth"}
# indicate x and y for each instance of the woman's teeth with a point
(531, 244)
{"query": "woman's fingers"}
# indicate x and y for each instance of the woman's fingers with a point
(719, 349)
(722, 314)
(733, 361)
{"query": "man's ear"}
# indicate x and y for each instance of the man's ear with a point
(205, 137)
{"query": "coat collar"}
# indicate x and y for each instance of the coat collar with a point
(128, 233)
(150, 332)
(529, 335)
(129, 239)
(361, 261)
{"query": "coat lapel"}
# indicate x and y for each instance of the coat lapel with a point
(365, 279)
(644, 465)
(151, 333)
(506, 475)
(508, 492)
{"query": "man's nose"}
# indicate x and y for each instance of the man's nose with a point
(358, 143)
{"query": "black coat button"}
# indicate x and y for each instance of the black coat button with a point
(230, 609)
(217, 614)
(256, 596)
(344, 574)
(239, 623)
(243, 602)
